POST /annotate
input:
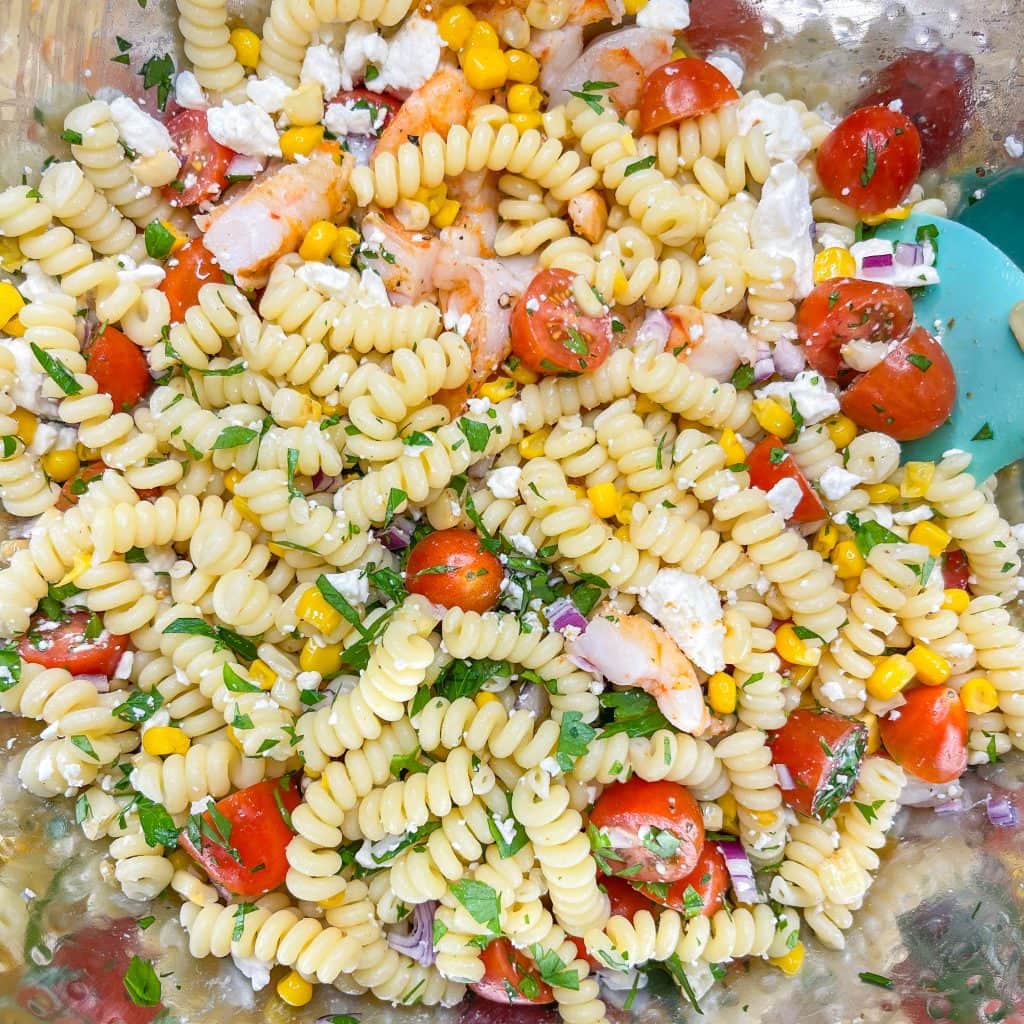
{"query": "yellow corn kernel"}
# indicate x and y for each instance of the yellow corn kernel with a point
(833, 262)
(27, 423)
(894, 213)
(445, 217)
(325, 659)
(800, 676)
(334, 901)
(341, 252)
(730, 818)
(932, 668)
(722, 693)
(231, 478)
(524, 122)
(314, 609)
(484, 697)
(247, 47)
(629, 144)
(180, 860)
(849, 562)
(605, 499)
(532, 446)
(933, 537)
(276, 549)
(522, 66)
(620, 285)
(763, 817)
(483, 35)
(432, 198)
(164, 740)
(841, 430)
(86, 454)
(234, 740)
(891, 674)
(625, 513)
(882, 494)
(498, 389)
(296, 142)
(522, 99)
(734, 451)
(456, 25)
(242, 508)
(635, 6)
(826, 539)
(262, 674)
(180, 238)
(979, 696)
(304, 105)
(579, 491)
(60, 465)
(917, 478)
(319, 241)
(955, 600)
(294, 989)
(793, 649)
(485, 69)
(871, 722)
(851, 586)
(15, 328)
(522, 374)
(791, 962)
(82, 562)
(772, 417)
(645, 405)
(621, 533)
(11, 303)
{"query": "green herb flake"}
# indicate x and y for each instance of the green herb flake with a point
(58, 372)
(574, 736)
(159, 241)
(139, 706)
(481, 902)
(141, 983)
(234, 437)
(879, 980)
(920, 361)
(984, 434)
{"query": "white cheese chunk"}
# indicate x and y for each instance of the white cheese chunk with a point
(138, 130)
(898, 274)
(809, 391)
(689, 609)
(188, 93)
(352, 585)
(667, 15)
(268, 93)
(504, 482)
(244, 127)
(785, 138)
(784, 497)
(837, 482)
(321, 64)
(781, 225)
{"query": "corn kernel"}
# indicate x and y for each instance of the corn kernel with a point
(231, 478)
(645, 405)
(635, 6)
(262, 674)
(163, 740)
(82, 562)
(60, 465)
(826, 539)
(933, 537)
(524, 98)
(955, 600)
(791, 961)
(625, 513)
(932, 668)
(730, 816)
(722, 693)
(234, 740)
(848, 560)
(734, 451)
(15, 328)
(629, 144)
(621, 533)
(979, 696)
(579, 491)
(524, 122)
(241, 506)
(841, 430)
(294, 989)
(801, 676)
(484, 697)
(314, 609)
(894, 213)
(485, 69)
(325, 659)
(341, 253)
(319, 241)
(498, 389)
(247, 47)
(456, 25)
(296, 142)
(445, 217)
(891, 674)
(522, 374)
(882, 494)
(27, 423)
(833, 262)
(522, 66)
(605, 499)
(180, 238)
(620, 285)
(772, 417)
(304, 105)
(793, 649)
(874, 739)
(180, 860)
(532, 446)
(917, 478)
(483, 36)
(764, 818)
(337, 900)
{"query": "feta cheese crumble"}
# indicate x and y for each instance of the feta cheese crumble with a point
(188, 93)
(808, 390)
(784, 497)
(244, 127)
(837, 482)
(690, 610)
(138, 130)
(667, 15)
(352, 585)
(504, 482)
(781, 225)
(322, 65)
(268, 93)
(785, 138)
(1013, 146)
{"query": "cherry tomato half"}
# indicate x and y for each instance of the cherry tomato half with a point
(732, 24)
(551, 334)
(187, 271)
(204, 161)
(704, 887)
(956, 570)
(655, 829)
(510, 977)
(928, 734)
(682, 89)
(846, 309)
(821, 753)
(251, 859)
(625, 901)
(908, 394)
(871, 159)
(119, 368)
(65, 645)
(769, 463)
(451, 568)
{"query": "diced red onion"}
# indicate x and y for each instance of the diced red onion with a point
(563, 614)
(583, 663)
(322, 482)
(948, 807)
(740, 873)
(397, 535)
(814, 231)
(654, 330)
(361, 147)
(785, 779)
(1000, 811)
(764, 365)
(879, 261)
(243, 165)
(101, 682)
(909, 254)
(533, 698)
(789, 359)
(222, 893)
(418, 942)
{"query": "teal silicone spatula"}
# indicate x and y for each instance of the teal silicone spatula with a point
(968, 310)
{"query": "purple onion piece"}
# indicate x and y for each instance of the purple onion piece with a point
(789, 359)
(947, 807)
(740, 873)
(654, 330)
(361, 147)
(397, 535)
(583, 663)
(879, 261)
(533, 698)
(101, 682)
(243, 165)
(1000, 811)
(764, 367)
(785, 779)
(909, 254)
(563, 614)
(418, 942)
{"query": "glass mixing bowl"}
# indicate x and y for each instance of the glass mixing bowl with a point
(943, 922)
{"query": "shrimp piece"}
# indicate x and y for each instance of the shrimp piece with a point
(270, 218)
(631, 651)
(477, 221)
(589, 215)
(709, 344)
(581, 12)
(443, 100)
(405, 260)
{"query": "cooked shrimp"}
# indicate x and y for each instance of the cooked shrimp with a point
(631, 651)
(589, 215)
(709, 344)
(477, 220)
(580, 12)
(405, 260)
(270, 218)
(443, 100)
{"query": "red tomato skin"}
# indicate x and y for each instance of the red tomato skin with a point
(956, 570)
(473, 577)
(733, 24)
(66, 647)
(928, 734)
(913, 402)
(682, 89)
(936, 91)
(666, 806)
(547, 307)
(502, 962)
(845, 309)
(119, 368)
(258, 833)
(800, 746)
(709, 879)
(187, 271)
(379, 99)
(843, 159)
(766, 474)
(204, 161)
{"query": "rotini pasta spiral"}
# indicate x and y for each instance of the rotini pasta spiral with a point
(203, 24)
